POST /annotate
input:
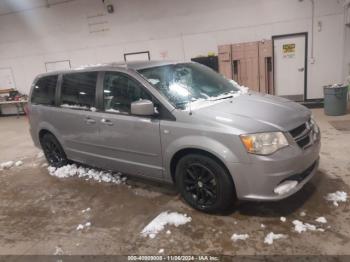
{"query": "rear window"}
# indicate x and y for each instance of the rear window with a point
(44, 91)
(78, 90)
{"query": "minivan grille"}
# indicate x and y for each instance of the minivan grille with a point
(297, 131)
(304, 135)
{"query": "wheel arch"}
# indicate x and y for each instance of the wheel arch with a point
(45, 128)
(192, 150)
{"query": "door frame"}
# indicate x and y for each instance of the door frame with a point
(305, 60)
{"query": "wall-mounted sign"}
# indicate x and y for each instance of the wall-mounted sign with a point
(57, 65)
(137, 56)
(6, 78)
(288, 50)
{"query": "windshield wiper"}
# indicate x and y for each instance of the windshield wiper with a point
(221, 98)
(224, 96)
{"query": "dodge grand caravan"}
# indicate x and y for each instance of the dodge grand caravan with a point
(176, 122)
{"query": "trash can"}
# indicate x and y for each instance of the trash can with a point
(335, 100)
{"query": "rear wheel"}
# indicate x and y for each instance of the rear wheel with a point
(53, 151)
(205, 184)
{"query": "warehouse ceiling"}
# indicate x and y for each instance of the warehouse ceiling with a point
(15, 6)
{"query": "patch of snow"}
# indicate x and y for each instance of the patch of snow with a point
(339, 196)
(87, 65)
(153, 81)
(58, 251)
(270, 237)
(40, 154)
(93, 109)
(111, 110)
(242, 89)
(6, 165)
(75, 106)
(163, 219)
(86, 173)
(235, 237)
(168, 232)
(320, 229)
(19, 163)
(283, 219)
(301, 227)
(322, 220)
(302, 214)
(161, 251)
(82, 226)
(86, 210)
(44, 165)
(262, 226)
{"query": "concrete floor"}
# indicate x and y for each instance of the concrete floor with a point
(39, 213)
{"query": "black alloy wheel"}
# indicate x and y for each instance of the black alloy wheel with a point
(53, 151)
(205, 183)
(200, 184)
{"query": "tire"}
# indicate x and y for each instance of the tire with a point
(53, 150)
(205, 184)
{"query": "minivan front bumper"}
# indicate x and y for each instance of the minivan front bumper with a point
(258, 179)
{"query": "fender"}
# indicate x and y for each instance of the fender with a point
(204, 143)
(47, 126)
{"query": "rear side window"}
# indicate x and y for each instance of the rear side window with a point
(44, 91)
(78, 90)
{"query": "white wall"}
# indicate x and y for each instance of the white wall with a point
(175, 29)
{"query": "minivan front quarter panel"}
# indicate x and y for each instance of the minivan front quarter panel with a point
(226, 147)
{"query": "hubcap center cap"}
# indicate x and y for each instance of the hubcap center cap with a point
(200, 184)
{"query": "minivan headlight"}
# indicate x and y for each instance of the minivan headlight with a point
(314, 125)
(264, 143)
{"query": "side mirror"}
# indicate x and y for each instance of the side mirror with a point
(142, 108)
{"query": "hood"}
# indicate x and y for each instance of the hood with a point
(255, 112)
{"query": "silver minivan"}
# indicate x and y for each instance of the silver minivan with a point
(176, 122)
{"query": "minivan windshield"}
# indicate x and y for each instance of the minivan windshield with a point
(184, 82)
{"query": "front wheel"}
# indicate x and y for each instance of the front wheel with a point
(53, 151)
(205, 184)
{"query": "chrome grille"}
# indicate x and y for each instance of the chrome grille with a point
(306, 134)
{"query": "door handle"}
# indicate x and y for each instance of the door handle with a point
(89, 121)
(107, 122)
(301, 69)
